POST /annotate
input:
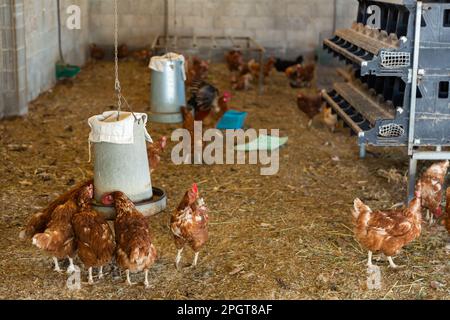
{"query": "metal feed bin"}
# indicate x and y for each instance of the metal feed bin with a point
(121, 162)
(167, 88)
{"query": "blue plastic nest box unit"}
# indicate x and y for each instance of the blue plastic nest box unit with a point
(232, 119)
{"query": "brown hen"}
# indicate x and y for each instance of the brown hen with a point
(301, 76)
(189, 224)
(310, 104)
(143, 56)
(254, 67)
(96, 53)
(211, 120)
(242, 82)
(154, 151)
(197, 70)
(195, 140)
(39, 221)
(447, 212)
(123, 51)
(387, 231)
(234, 60)
(135, 251)
(94, 238)
(58, 239)
(433, 189)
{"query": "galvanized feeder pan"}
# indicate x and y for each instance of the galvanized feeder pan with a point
(121, 162)
(167, 88)
(155, 205)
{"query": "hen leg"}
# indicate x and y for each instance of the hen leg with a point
(310, 122)
(100, 273)
(146, 283)
(71, 268)
(178, 258)
(128, 278)
(447, 247)
(429, 216)
(57, 268)
(90, 279)
(195, 259)
(369, 259)
(392, 264)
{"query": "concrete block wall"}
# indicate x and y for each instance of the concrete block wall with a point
(139, 21)
(12, 59)
(41, 40)
(282, 25)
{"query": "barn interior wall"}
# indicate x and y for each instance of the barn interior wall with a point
(42, 53)
(12, 57)
(284, 26)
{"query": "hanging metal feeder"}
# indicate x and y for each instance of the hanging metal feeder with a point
(121, 162)
(120, 152)
(168, 88)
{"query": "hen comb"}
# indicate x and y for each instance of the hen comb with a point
(227, 94)
(438, 213)
(195, 188)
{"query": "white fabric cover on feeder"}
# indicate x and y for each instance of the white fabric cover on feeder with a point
(157, 63)
(118, 132)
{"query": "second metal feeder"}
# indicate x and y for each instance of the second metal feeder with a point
(121, 161)
(168, 88)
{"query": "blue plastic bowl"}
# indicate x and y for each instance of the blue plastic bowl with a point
(233, 120)
(66, 71)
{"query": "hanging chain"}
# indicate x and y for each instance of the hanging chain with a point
(117, 87)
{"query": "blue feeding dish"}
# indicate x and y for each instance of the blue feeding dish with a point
(233, 120)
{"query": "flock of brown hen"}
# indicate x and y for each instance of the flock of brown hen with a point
(299, 74)
(69, 227)
(389, 231)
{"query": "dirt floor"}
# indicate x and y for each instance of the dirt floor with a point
(287, 236)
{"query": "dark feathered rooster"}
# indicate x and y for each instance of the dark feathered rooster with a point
(281, 65)
(204, 98)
